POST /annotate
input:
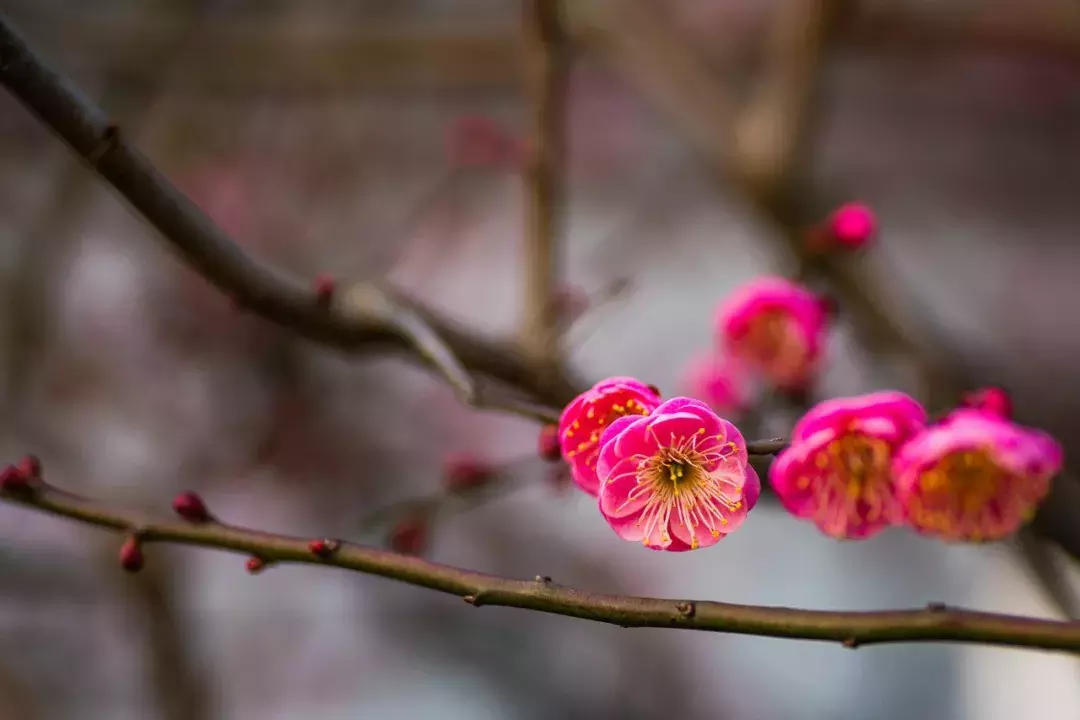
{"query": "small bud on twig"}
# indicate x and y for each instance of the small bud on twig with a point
(191, 507)
(12, 480)
(324, 289)
(410, 535)
(852, 226)
(131, 555)
(465, 472)
(548, 443)
(323, 548)
(30, 467)
(255, 565)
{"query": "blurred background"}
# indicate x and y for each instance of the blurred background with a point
(316, 134)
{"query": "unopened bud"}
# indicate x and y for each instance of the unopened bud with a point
(410, 535)
(131, 555)
(30, 467)
(548, 443)
(255, 565)
(852, 226)
(12, 480)
(993, 400)
(324, 289)
(191, 507)
(465, 472)
(322, 548)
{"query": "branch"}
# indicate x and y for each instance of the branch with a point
(546, 73)
(264, 290)
(935, 623)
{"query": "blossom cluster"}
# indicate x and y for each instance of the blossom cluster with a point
(672, 475)
(675, 476)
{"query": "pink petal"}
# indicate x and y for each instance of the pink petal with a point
(618, 485)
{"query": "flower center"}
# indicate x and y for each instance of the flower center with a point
(679, 484)
(964, 495)
(854, 481)
(771, 340)
(966, 481)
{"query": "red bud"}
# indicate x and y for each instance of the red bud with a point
(548, 443)
(30, 467)
(993, 400)
(410, 536)
(324, 289)
(191, 507)
(11, 480)
(131, 555)
(465, 472)
(322, 548)
(255, 565)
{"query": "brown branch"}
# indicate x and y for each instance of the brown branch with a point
(936, 623)
(260, 288)
(546, 66)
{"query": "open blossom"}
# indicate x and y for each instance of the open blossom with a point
(776, 328)
(721, 383)
(837, 470)
(975, 476)
(676, 480)
(589, 414)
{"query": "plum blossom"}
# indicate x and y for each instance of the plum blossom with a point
(589, 414)
(775, 328)
(721, 383)
(975, 476)
(677, 479)
(837, 470)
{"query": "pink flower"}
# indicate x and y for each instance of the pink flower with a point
(676, 480)
(975, 476)
(993, 400)
(852, 225)
(589, 414)
(776, 328)
(722, 384)
(837, 470)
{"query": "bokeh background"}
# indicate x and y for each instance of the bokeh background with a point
(316, 134)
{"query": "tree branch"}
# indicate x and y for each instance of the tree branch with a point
(546, 70)
(935, 623)
(260, 288)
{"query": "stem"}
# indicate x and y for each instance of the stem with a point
(546, 69)
(256, 286)
(935, 623)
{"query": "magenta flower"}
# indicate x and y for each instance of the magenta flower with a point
(975, 476)
(775, 328)
(722, 384)
(676, 480)
(852, 225)
(589, 414)
(837, 471)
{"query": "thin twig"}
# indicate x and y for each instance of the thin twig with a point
(260, 288)
(935, 623)
(546, 70)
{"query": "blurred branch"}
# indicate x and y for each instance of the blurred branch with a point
(262, 289)
(936, 623)
(15, 701)
(177, 681)
(546, 65)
